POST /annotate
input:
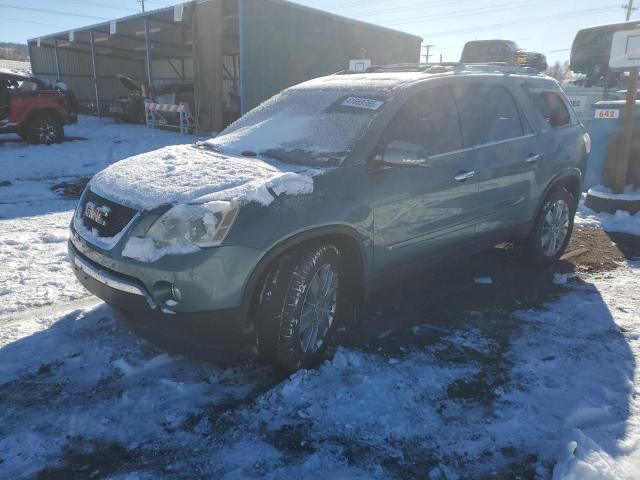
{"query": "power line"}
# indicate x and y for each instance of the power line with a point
(506, 25)
(352, 4)
(32, 22)
(487, 9)
(54, 12)
(102, 5)
(419, 6)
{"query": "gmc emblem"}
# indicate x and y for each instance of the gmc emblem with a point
(96, 214)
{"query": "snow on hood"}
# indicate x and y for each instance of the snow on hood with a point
(184, 174)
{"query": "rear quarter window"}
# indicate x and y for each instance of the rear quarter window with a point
(552, 107)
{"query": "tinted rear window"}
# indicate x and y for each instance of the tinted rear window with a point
(488, 113)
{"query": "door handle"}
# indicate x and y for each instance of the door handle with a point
(533, 158)
(464, 176)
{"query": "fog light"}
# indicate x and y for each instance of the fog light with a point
(167, 294)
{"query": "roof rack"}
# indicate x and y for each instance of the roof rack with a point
(442, 67)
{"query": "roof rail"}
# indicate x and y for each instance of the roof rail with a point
(442, 67)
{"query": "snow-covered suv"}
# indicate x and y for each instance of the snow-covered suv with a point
(324, 194)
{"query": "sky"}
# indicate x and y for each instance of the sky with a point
(548, 26)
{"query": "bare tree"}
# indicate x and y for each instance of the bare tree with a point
(560, 71)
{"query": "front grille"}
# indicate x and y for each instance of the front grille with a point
(103, 216)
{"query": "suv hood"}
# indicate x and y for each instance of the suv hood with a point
(127, 82)
(186, 174)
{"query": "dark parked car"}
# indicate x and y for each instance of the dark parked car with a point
(502, 51)
(324, 194)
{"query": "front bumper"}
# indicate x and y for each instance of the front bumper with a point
(211, 335)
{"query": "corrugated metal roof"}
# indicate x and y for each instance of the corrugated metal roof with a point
(106, 23)
(151, 13)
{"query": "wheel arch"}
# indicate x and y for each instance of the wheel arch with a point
(42, 111)
(569, 180)
(344, 237)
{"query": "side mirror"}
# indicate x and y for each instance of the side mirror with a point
(402, 154)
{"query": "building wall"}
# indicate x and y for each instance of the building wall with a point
(283, 44)
(77, 72)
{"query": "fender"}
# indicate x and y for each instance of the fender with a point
(59, 112)
(573, 173)
(298, 239)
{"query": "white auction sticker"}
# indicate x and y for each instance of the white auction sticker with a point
(357, 102)
(607, 113)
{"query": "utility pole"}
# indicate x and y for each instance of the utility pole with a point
(427, 55)
(141, 2)
(629, 9)
(627, 123)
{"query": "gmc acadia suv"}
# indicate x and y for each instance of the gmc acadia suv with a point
(324, 194)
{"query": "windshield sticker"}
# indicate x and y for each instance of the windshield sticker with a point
(366, 103)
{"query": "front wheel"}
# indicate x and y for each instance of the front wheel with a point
(298, 307)
(45, 129)
(553, 228)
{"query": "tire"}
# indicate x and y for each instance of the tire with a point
(298, 307)
(45, 129)
(552, 230)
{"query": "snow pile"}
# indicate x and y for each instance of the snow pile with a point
(185, 174)
(30, 171)
(629, 194)
(35, 267)
(621, 221)
(578, 401)
(568, 406)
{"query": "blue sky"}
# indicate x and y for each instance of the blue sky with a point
(548, 26)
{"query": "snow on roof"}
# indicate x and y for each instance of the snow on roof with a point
(363, 81)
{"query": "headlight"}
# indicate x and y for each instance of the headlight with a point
(204, 225)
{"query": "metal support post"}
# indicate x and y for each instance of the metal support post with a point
(95, 73)
(147, 43)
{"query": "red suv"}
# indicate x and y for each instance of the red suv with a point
(35, 109)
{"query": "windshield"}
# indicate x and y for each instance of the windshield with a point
(304, 126)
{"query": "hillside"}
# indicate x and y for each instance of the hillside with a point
(14, 51)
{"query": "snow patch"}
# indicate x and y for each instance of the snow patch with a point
(621, 221)
(185, 174)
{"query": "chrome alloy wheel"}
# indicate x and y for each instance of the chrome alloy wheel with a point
(555, 227)
(46, 132)
(318, 309)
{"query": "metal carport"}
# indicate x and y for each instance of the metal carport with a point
(237, 53)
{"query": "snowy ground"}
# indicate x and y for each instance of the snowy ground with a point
(448, 378)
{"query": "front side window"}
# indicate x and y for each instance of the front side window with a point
(488, 113)
(552, 108)
(428, 121)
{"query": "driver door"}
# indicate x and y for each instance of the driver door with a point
(422, 206)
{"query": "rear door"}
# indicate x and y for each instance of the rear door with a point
(504, 148)
(422, 210)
